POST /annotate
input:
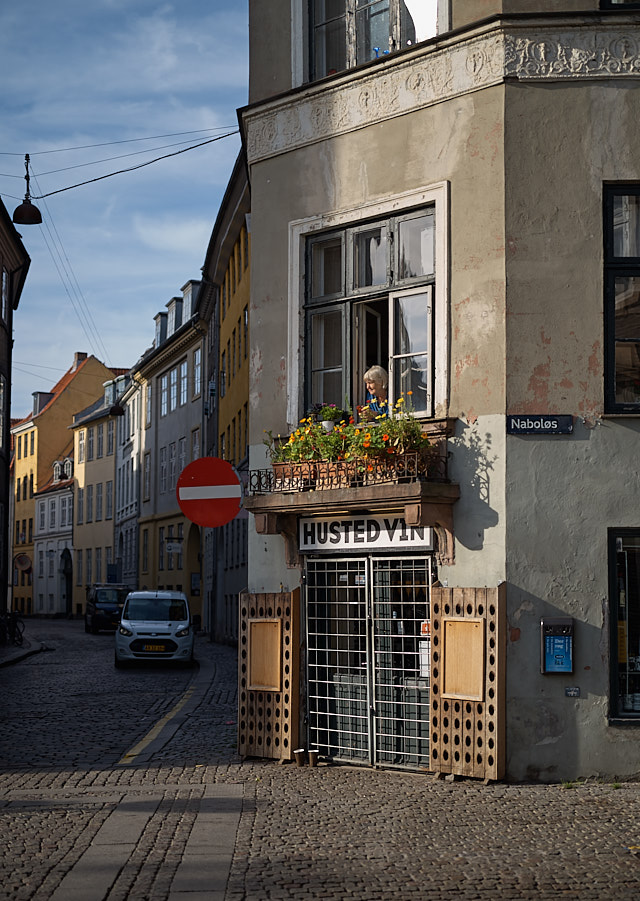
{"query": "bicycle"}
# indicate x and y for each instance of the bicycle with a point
(11, 629)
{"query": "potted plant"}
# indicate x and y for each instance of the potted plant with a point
(328, 415)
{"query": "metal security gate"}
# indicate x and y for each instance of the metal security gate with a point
(368, 659)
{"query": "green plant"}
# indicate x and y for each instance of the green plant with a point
(330, 413)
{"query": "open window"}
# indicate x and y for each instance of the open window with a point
(346, 33)
(369, 301)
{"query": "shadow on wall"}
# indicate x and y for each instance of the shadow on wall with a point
(544, 743)
(472, 464)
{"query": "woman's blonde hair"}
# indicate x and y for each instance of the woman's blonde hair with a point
(377, 374)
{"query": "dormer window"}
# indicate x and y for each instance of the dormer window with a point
(57, 471)
(347, 33)
(68, 469)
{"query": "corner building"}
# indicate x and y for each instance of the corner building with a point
(454, 195)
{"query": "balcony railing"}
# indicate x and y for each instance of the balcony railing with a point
(323, 475)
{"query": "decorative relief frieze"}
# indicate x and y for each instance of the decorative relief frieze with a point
(438, 75)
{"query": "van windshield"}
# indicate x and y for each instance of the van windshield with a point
(157, 610)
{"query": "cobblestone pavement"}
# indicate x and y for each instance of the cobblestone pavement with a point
(91, 809)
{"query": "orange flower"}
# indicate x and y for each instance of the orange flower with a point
(385, 437)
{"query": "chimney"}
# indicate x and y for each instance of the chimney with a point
(78, 358)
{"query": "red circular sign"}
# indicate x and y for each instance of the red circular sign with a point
(209, 492)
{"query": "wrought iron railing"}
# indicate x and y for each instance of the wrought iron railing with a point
(324, 475)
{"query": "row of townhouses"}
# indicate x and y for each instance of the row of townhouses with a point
(96, 462)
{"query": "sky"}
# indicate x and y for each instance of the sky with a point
(143, 79)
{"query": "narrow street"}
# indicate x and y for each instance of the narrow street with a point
(127, 785)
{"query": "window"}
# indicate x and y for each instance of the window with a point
(24, 488)
(145, 550)
(164, 384)
(169, 547)
(223, 374)
(197, 371)
(100, 451)
(30, 530)
(195, 444)
(41, 515)
(20, 446)
(78, 567)
(52, 514)
(57, 471)
(180, 540)
(616, 4)
(89, 503)
(63, 512)
(163, 470)
(51, 556)
(172, 465)
(30, 484)
(233, 353)
(624, 571)
(147, 406)
(245, 315)
(80, 511)
(81, 434)
(41, 564)
(184, 383)
(345, 33)
(146, 477)
(99, 504)
(98, 564)
(5, 294)
(369, 300)
(182, 454)
(89, 565)
(110, 436)
(173, 393)
(622, 298)
(90, 443)
(161, 547)
(32, 438)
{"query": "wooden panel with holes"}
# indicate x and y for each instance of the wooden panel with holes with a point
(468, 657)
(268, 675)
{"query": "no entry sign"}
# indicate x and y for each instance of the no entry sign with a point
(209, 492)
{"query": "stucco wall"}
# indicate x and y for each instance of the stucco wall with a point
(459, 142)
(563, 493)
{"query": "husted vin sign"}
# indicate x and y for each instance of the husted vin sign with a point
(545, 424)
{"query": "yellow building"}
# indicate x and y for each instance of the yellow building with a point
(225, 308)
(39, 440)
(94, 441)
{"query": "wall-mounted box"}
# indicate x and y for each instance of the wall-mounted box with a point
(556, 644)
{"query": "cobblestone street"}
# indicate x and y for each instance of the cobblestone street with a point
(127, 784)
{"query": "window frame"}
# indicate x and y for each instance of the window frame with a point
(615, 712)
(615, 267)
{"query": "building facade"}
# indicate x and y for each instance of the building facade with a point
(39, 440)
(14, 265)
(225, 309)
(53, 542)
(171, 376)
(127, 484)
(94, 434)
(448, 190)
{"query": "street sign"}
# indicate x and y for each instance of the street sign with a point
(209, 492)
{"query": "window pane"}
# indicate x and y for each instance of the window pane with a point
(372, 29)
(323, 10)
(416, 240)
(628, 372)
(326, 268)
(330, 48)
(418, 20)
(411, 381)
(627, 340)
(326, 358)
(411, 323)
(626, 225)
(627, 618)
(370, 258)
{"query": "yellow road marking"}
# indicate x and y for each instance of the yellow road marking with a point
(157, 729)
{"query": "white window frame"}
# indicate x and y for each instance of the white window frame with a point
(300, 230)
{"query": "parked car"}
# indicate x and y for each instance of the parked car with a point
(103, 607)
(155, 625)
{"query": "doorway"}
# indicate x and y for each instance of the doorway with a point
(368, 659)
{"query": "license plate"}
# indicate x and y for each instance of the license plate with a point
(153, 647)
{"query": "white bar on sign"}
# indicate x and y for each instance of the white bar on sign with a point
(208, 492)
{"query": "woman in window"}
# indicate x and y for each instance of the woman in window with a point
(376, 382)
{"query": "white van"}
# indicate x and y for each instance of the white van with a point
(155, 625)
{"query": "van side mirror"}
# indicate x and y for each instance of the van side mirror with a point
(196, 621)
